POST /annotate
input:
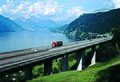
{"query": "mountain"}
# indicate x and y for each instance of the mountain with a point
(100, 22)
(60, 29)
(7, 25)
(35, 24)
(101, 10)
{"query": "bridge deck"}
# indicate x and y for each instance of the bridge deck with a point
(14, 59)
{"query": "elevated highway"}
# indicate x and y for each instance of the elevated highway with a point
(32, 56)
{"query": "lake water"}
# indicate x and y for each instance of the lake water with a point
(21, 40)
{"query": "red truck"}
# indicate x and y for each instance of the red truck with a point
(56, 44)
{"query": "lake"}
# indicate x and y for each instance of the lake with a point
(21, 40)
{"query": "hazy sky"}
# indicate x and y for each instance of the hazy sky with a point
(56, 10)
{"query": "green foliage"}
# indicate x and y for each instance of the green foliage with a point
(111, 74)
(94, 73)
(106, 52)
(100, 72)
(88, 51)
(71, 60)
(19, 76)
(16, 77)
(72, 57)
(100, 23)
(116, 37)
(38, 71)
(56, 66)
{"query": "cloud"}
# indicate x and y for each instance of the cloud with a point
(71, 13)
(28, 9)
(6, 8)
(22, 7)
(75, 11)
(52, 8)
(116, 3)
(0, 9)
(9, 1)
(108, 3)
(40, 9)
(36, 8)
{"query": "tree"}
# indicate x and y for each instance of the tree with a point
(116, 37)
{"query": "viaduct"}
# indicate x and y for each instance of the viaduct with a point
(26, 59)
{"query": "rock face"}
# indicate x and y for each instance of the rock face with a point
(7, 25)
(100, 22)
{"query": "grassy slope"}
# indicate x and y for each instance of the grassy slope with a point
(87, 75)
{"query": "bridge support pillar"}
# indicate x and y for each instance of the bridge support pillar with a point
(65, 63)
(93, 53)
(28, 73)
(48, 67)
(79, 59)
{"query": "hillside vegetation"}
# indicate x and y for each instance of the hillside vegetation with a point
(107, 65)
(100, 72)
(100, 22)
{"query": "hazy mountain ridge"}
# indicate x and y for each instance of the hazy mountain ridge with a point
(100, 22)
(34, 24)
(60, 29)
(7, 25)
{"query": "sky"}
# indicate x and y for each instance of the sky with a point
(56, 10)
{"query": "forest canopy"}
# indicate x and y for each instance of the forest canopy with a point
(116, 36)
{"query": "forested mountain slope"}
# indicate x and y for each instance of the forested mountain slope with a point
(100, 22)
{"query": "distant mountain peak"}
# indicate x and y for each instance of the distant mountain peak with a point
(7, 25)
